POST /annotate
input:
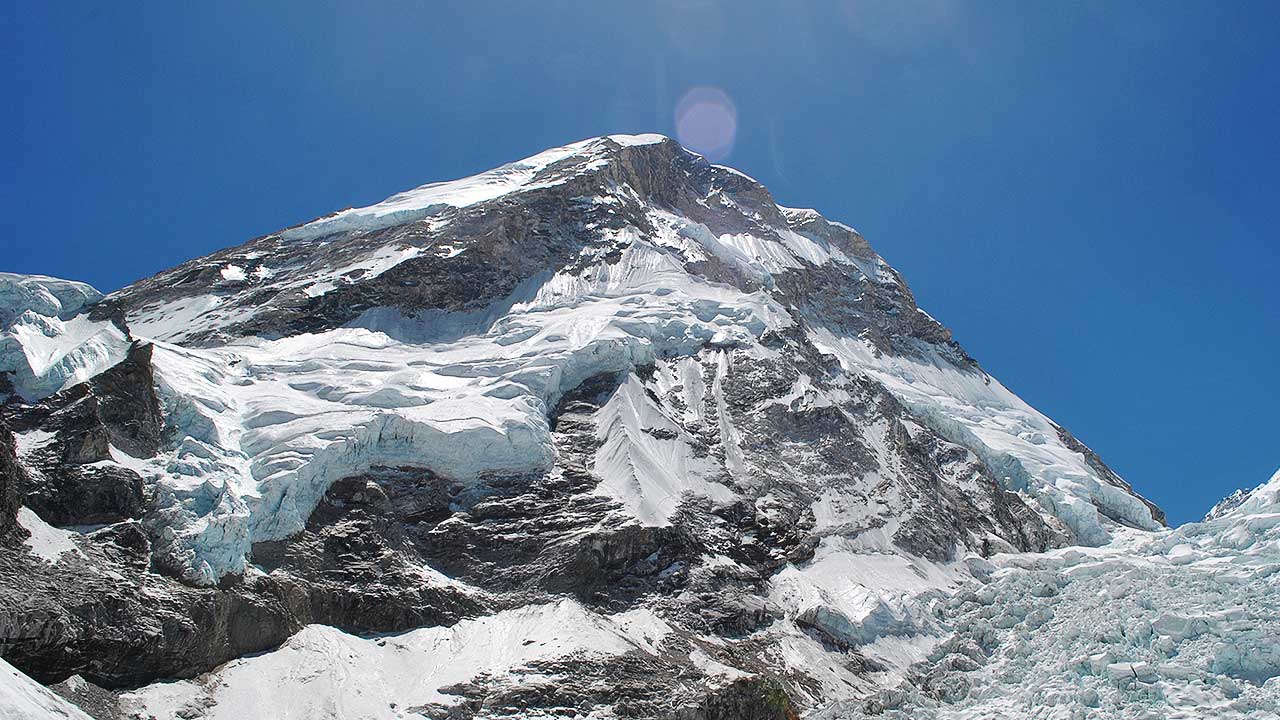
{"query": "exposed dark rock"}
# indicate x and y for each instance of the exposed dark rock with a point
(12, 478)
(746, 699)
(98, 702)
(100, 613)
(116, 408)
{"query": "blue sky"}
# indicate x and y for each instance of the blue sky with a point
(1087, 193)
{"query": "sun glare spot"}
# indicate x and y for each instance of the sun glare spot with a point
(707, 122)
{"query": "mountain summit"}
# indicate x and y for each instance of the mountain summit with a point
(603, 432)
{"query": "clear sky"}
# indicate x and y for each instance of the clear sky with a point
(1087, 193)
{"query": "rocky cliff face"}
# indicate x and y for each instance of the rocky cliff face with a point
(602, 431)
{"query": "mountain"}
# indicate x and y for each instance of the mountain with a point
(605, 432)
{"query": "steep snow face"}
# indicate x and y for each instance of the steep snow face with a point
(974, 410)
(43, 540)
(49, 339)
(646, 461)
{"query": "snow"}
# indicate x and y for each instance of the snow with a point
(45, 541)
(857, 596)
(48, 343)
(22, 698)
(172, 320)
(644, 460)
(761, 257)
(1178, 624)
(43, 295)
(322, 672)
(972, 409)
(641, 139)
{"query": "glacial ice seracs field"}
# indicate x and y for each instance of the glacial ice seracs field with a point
(601, 433)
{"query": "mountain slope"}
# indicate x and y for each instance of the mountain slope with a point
(611, 391)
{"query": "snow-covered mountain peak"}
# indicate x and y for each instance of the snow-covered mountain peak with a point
(1260, 499)
(443, 327)
(611, 389)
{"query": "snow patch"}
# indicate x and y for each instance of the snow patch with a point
(45, 541)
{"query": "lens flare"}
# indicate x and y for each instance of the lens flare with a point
(707, 122)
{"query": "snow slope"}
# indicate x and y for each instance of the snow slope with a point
(22, 698)
(422, 202)
(324, 673)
